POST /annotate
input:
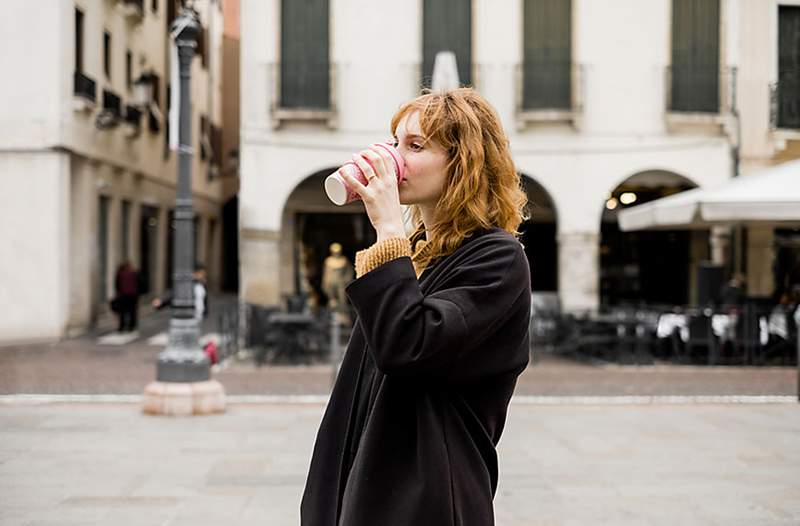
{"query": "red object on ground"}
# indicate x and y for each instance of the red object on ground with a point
(211, 351)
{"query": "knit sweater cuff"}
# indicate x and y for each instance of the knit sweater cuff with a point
(380, 253)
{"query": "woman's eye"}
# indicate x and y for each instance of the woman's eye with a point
(416, 146)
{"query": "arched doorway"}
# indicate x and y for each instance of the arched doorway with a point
(647, 267)
(310, 223)
(539, 237)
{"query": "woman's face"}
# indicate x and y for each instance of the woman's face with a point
(425, 161)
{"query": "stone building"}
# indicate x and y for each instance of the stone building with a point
(606, 104)
(87, 176)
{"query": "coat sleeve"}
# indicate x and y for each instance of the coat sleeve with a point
(410, 334)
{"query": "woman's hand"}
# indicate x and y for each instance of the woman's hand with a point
(381, 196)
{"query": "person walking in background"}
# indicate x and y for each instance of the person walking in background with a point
(200, 292)
(127, 288)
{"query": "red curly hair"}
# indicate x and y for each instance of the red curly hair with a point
(482, 188)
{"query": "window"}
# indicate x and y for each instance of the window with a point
(305, 63)
(447, 26)
(201, 137)
(166, 121)
(102, 248)
(695, 71)
(547, 55)
(202, 46)
(788, 88)
(78, 40)
(125, 234)
(128, 70)
(107, 54)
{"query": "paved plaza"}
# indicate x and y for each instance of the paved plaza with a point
(107, 464)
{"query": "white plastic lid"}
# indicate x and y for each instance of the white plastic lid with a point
(336, 190)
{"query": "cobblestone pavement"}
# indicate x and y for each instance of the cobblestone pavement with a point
(83, 367)
(108, 464)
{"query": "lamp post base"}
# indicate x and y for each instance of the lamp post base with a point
(184, 398)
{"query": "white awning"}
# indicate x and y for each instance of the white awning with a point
(769, 196)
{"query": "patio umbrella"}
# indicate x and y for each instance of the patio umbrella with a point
(769, 196)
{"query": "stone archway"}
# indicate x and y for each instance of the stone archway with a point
(309, 224)
(647, 267)
(539, 237)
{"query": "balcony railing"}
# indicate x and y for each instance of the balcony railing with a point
(549, 91)
(84, 87)
(303, 92)
(784, 98)
(112, 103)
(704, 91)
(133, 9)
(133, 116)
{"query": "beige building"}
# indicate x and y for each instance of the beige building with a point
(606, 104)
(87, 178)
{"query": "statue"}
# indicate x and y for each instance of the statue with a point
(337, 272)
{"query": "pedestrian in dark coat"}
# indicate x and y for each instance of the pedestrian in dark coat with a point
(127, 289)
(409, 434)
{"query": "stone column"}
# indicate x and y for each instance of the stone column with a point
(698, 252)
(259, 281)
(760, 255)
(578, 270)
(720, 241)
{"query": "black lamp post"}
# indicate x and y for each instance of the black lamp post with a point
(183, 360)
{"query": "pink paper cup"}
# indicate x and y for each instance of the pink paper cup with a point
(341, 194)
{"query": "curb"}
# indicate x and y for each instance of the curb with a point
(40, 399)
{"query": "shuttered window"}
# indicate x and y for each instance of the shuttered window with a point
(305, 63)
(447, 26)
(547, 55)
(694, 74)
(789, 67)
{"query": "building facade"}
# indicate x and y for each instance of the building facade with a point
(606, 105)
(88, 176)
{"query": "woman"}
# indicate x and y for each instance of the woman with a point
(409, 434)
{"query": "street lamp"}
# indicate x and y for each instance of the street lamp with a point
(183, 385)
(143, 91)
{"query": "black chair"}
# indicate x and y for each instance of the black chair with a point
(701, 336)
(748, 335)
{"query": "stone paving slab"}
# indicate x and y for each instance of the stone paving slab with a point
(87, 464)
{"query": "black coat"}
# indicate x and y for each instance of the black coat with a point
(409, 434)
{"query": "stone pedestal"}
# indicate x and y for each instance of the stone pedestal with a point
(184, 398)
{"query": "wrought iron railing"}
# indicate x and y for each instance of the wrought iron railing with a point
(84, 87)
(549, 88)
(784, 103)
(700, 90)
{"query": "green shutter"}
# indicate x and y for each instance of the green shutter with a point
(694, 79)
(305, 63)
(447, 26)
(547, 54)
(789, 67)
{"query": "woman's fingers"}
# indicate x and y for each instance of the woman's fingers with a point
(385, 160)
(354, 183)
(366, 168)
